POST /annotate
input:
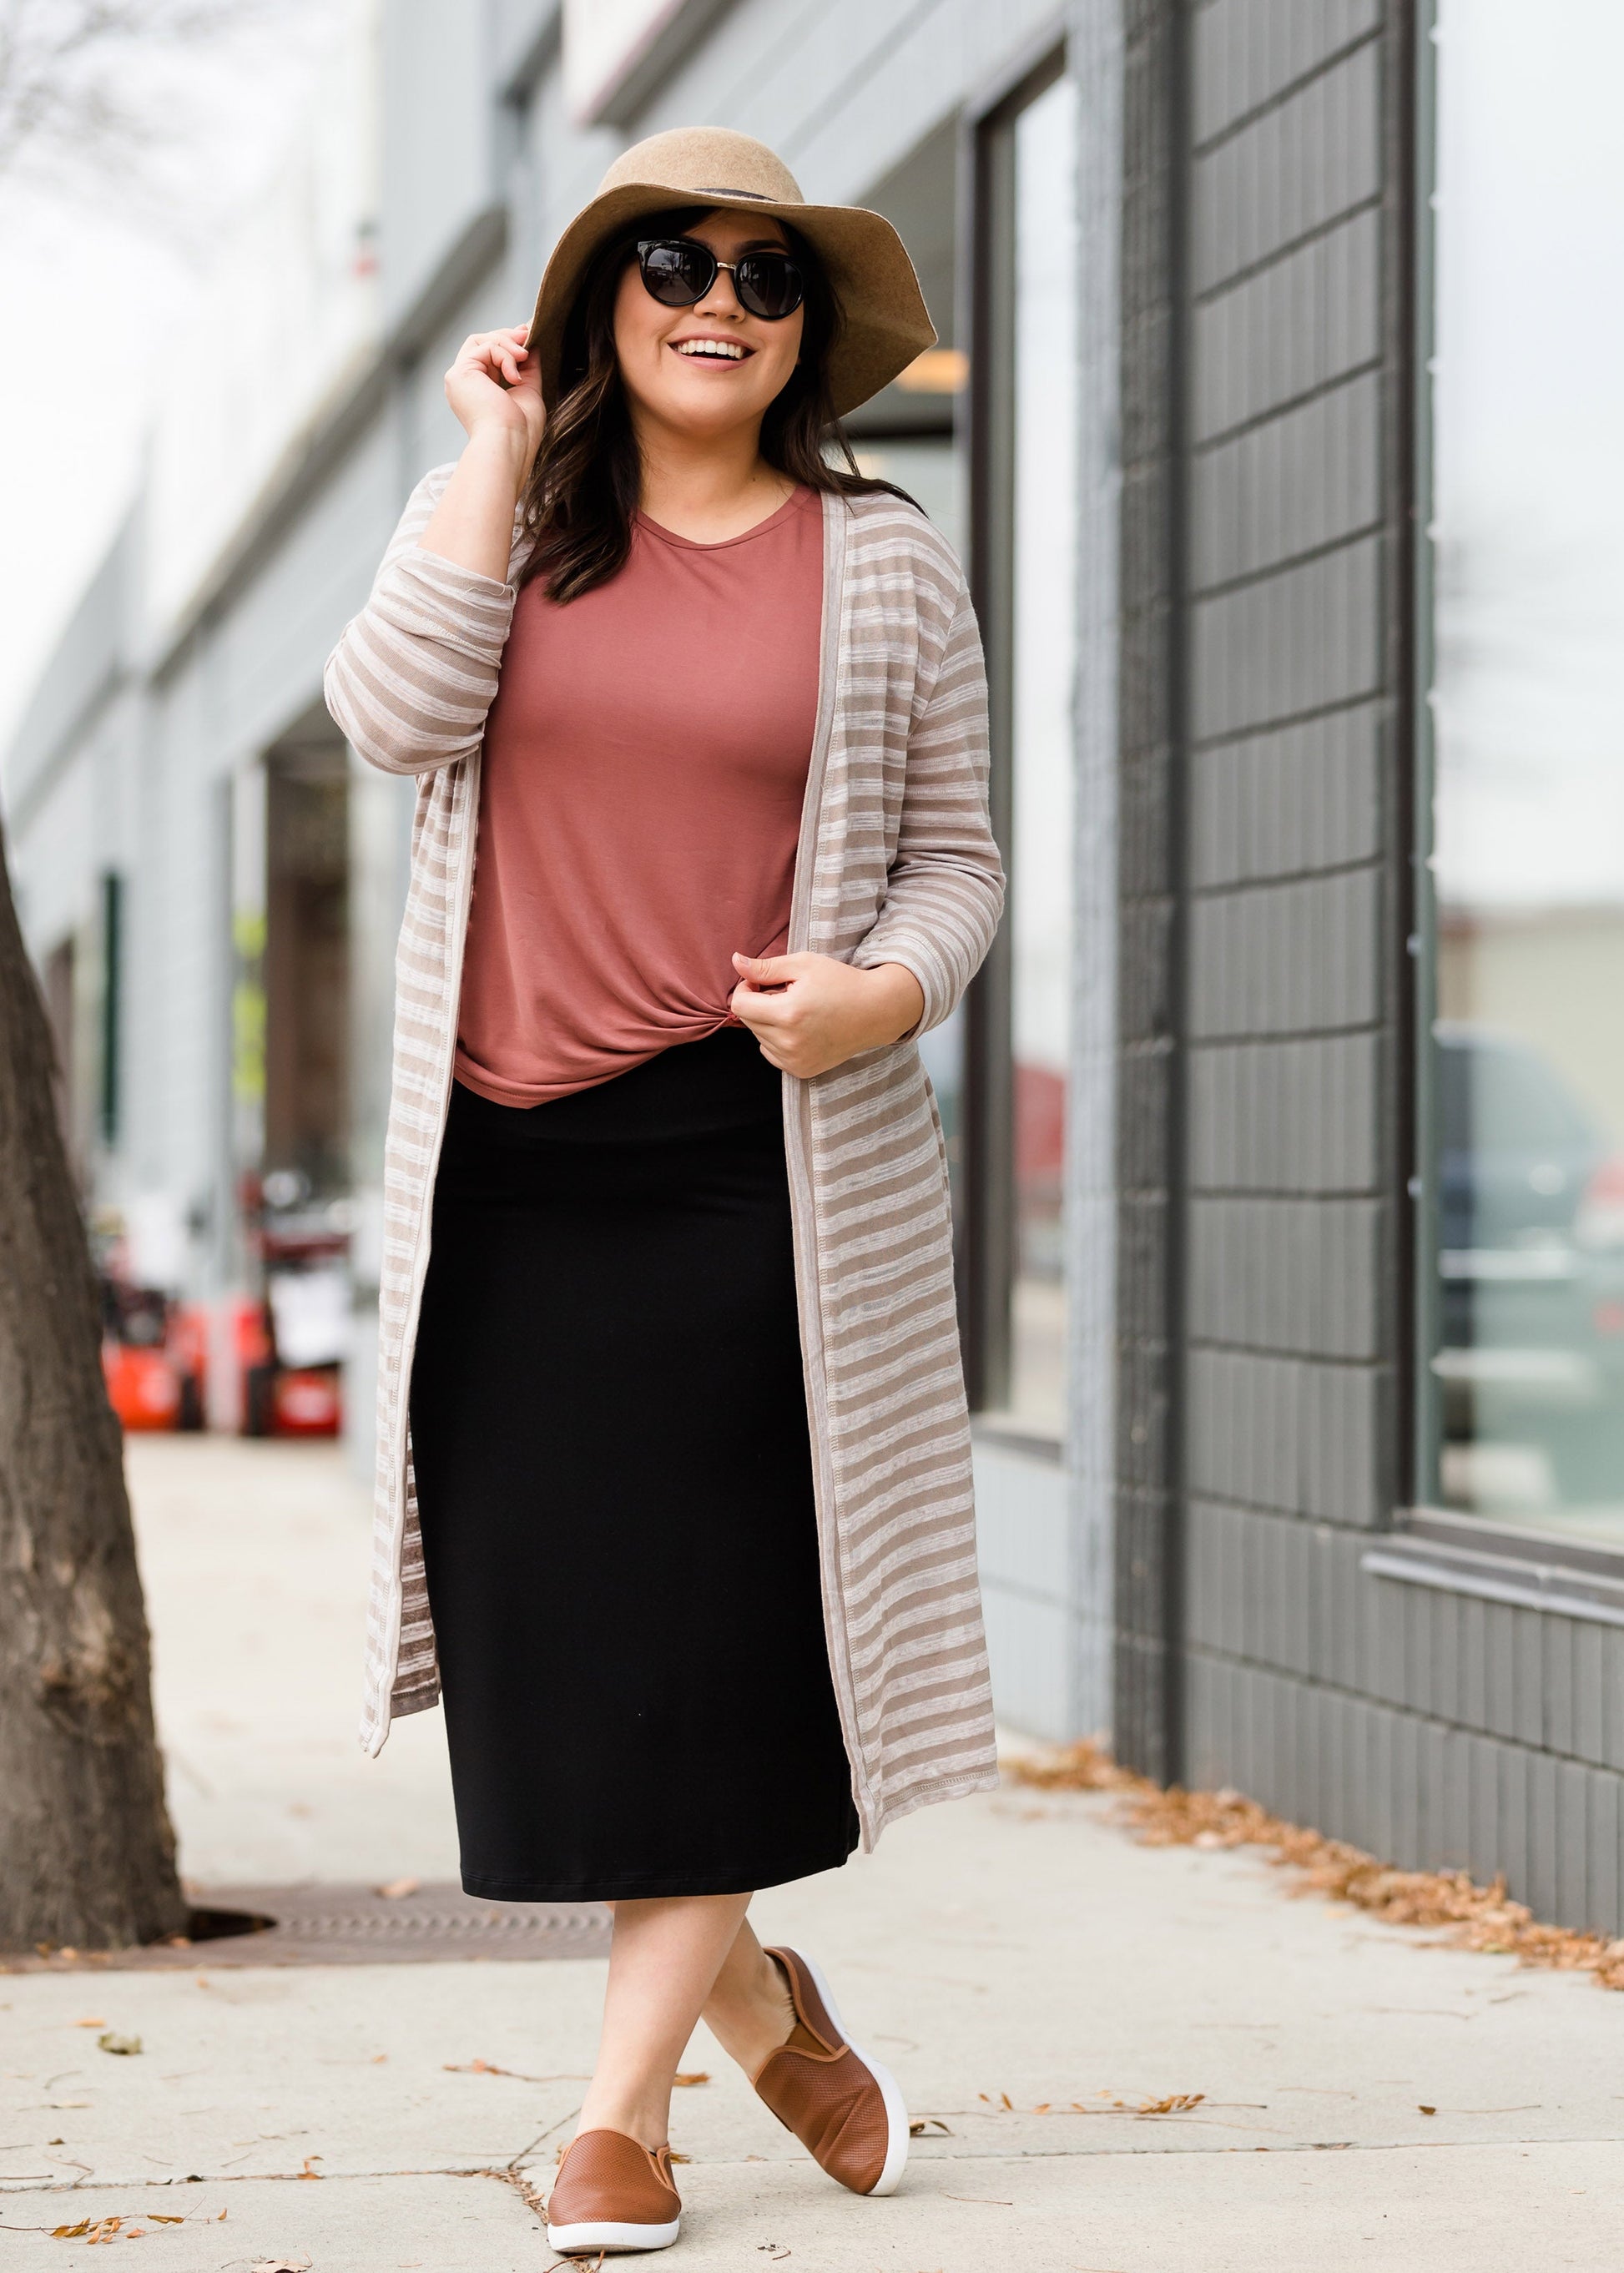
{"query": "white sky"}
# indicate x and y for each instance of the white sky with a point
(93, 304)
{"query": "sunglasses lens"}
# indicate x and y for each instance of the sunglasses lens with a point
(675, 272)
(768, 285)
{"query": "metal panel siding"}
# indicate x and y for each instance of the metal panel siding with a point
(1612, 1705)
(1300, 797)
(1603, 1831)
(1500, 1649)
(1286, 1117)
(1282, 1433)
(1304, 639)
(1295, 484)
(1246, 51)
(1296, 168)
(1484, 1829)
(1348, 1702)
(1474, 1644)
(1286, 329)
(1588, 1661)
(1544, 1877)
(1287, 1275)
(1286, 959)
(1443, 1785)
(1572, 1830)
(1559, 1640)
(1530, 1633)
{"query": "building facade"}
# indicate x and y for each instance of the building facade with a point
(1288, 1141)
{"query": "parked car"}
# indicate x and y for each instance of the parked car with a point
(1530, 1237)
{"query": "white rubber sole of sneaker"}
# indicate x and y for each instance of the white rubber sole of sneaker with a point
(896, 2112)
(590, 2235)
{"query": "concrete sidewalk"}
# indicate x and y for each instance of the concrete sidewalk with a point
(1032, 1976)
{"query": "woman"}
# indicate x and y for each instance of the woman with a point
(675, 1485)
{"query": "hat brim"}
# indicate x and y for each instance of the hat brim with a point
(886, 322)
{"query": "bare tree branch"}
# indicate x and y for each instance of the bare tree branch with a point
(83, 110)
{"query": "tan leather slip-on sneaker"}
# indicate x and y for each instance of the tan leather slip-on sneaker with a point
(613, 2195)
(837, 2099)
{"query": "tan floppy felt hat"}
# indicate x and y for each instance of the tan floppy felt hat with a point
(885, 321)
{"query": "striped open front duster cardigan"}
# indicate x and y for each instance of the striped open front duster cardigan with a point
(896, 863)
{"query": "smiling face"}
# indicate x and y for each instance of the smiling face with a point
(711, 368)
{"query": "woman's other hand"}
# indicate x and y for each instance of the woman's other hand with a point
(496, 383)
(810, 1012)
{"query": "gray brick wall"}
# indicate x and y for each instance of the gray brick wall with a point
(1263, 1139)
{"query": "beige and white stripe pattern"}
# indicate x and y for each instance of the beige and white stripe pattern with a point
(896, 864)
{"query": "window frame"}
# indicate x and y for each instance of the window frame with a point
(1444, 1545)
(985, 1246)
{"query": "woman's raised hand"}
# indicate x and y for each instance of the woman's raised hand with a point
(496, 382)
(494, 386)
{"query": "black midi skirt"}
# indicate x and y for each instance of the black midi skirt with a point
(613, 1472)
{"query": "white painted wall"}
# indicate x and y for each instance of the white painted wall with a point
(293, 308)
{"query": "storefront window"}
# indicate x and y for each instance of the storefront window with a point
(1523, 1087)
(1042, 739)
(1023, 544)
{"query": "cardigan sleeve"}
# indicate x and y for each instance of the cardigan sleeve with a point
(414, 674)
(944, 892)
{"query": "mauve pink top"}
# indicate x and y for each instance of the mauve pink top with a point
(645, 762)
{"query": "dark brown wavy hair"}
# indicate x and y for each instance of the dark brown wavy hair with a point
(582, 496)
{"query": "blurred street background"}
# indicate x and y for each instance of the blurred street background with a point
(1274, 412)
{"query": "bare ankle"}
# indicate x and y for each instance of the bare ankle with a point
(751, 2020)
(641, 2119)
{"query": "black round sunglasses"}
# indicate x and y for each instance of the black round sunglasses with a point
(679, 271)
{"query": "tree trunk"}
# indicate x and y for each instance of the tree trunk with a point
(86, 1854)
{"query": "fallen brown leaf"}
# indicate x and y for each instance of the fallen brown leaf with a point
(397, 1889)
(922, 2125)
(158, 2219)
(307, 2172)
(279, 2265)
(125, 2046)
(687, 2081)
(1426, 2110)
(1477, 1916)
(90, 2024)
(489, 2067)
